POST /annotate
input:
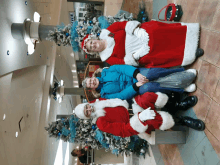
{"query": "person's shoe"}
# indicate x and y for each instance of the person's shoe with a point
(187, 103)
(196, 124)
(194, 71)
(190, 88)
(199, 52)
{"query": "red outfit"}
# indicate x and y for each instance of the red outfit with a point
(116, 119)
(169, 44)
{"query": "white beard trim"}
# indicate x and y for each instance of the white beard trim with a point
(191, 43)
(105, 54)
(99, 106)
(150, 138)
(161, 100)
(130, 26)
(136, 108)
(129, 60)
(168, 121)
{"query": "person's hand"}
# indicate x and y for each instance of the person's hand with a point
(147, 114)
(141, 78)
(138, 84)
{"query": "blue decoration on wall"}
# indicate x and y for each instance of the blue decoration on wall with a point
(8, 52)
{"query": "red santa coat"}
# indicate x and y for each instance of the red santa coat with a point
(169, 44)
(117, 121)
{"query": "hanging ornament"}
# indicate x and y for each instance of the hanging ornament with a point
(142, 150)
(93, 126)
(67, 34)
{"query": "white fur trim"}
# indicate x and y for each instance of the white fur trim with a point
(105, 54)
(168, 121)
(129, 60)
(136, 108)
(130, 26)
(161, 100)
(191, 43)
(99, 106)
(111, 103)
(79, 111)
(150, 138)
(137, 125)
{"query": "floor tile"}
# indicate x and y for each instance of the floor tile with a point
(214, 142)
(193, 140)
(170, 150)
(206, 12)
(160, 162)
(203, 40)
(203, 105)
(156, 153)
(177, 158)
(208, 78)
(215, 22)
(190, 13)
(205, 153)
(216, 96)
(213, 119)
(165, 157)
(212, 48)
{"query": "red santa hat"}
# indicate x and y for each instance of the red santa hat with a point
(83, 44)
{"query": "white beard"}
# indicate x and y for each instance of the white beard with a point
(98, 112)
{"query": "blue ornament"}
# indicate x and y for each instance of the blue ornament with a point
(90, 22)
(8, 52)
(98, 34)
(143, 18)
(67, 34)
(93, 127)
(142, 12)
(81, 27)
(59, 134)
(25, 2)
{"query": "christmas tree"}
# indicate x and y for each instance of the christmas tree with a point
(81, 131)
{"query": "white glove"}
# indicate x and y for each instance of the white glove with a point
(147, 114)
(141, 52)
(141, 34)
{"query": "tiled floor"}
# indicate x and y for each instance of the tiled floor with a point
(202, 148)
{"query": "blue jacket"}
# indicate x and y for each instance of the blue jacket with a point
(118, 82)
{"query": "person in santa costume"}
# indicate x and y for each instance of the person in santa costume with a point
(144, 84)
(150, 44)
(112, 116)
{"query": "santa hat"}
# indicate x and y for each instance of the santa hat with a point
(79, 111)
(83, 44)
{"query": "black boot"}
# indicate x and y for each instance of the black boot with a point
(196, 124)
(199, 52)
(187, 103)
